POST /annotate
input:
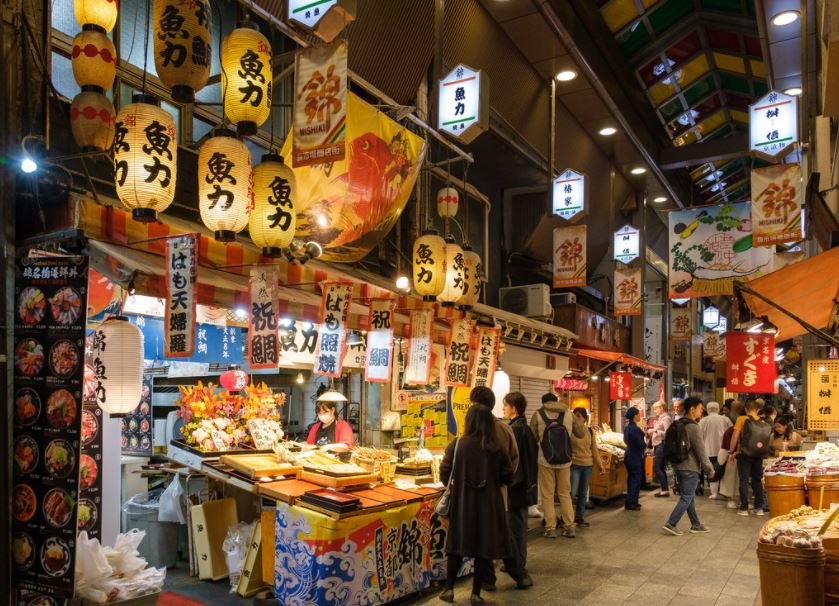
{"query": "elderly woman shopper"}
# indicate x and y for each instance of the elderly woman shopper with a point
(478, 467)
(712, 428)
(656, 434)
(633, 436)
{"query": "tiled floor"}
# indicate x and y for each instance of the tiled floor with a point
(626, 559)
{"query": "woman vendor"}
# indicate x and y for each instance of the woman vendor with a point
(330, 432)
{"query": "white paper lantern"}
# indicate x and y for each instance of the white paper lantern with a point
(455, 279)
(225, 185)
(273, 219)
(118, 365)
(447, 202)
(183, 46)
(429, 265)
(473, 273)
(500, 387)
(246, 77)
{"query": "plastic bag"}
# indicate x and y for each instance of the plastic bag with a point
(91, 561)
(235, 548)
(171, 509)
(141, 504)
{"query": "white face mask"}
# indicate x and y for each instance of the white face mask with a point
(325, 418)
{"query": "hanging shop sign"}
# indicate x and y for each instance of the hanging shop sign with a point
(487, 357)
(332, 343)
(620, 385)
(713, 345)
(627, 244)
(179, 326)
(722, 326)
(711, 248)
(628, 292)
(213, 343)
(750, 362)
(320, 104)
(418, 365)
(90, 489)
(49, 338)
(571, 385)
(569, 259)
(135, 427)
(263, 346)
(326, 18)
(777, 213)
(822, 395)
(298, 345)
(773, 125)
(463, 103)
(348, 206)
(570, 194)
(681, 323)
(380, 341)
(710, 316)
(459, 353)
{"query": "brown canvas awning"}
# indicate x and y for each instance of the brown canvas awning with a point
(613, 356)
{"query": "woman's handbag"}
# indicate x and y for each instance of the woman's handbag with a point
(444, 504)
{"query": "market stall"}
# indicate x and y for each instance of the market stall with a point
(611, 449)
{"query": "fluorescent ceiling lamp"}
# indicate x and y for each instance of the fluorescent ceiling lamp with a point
(793, 91)
(608, 131)
(638, 170)
(660, 199)
(756, 327)
(785, 18)
(566, 75)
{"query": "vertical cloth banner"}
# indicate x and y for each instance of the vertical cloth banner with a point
(776, 204)
(620, 385)
(179, 327)
(569, 258)
(750, 362)
(459, 354)
(380, 341)
(418, 365)
(627, 292)
(681, 323)
(263, 343)
(712, 344)
(320, 104)
(488, 339)
(822, 395)
(332, 341)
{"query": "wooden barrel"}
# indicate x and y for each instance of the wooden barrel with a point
(784, 493)
(791, 576)
(830, 483)
(831, 569)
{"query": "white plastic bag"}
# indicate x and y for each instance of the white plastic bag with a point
(91, 562)
(171, 509)
(235, 548)
(124, 558)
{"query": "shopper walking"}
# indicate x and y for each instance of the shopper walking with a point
(584, 459)
(686, 452)
(553, 425)
(713, 427)
(656, 435)
(678, 409)
(478, 468)
(633, 436)
(749, 444)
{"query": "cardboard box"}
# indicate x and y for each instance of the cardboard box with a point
(210, 522)
(251, 580)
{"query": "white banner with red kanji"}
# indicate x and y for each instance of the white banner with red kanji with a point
(750, 362)
(459, 353)
(332, 341)
(418, 364)
(179, 325)
(263, 345)
(380, 341)
(487, 358)
(620, 385)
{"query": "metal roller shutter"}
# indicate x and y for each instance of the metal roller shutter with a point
(533, 390)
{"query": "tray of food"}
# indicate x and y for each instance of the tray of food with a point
(321, 462)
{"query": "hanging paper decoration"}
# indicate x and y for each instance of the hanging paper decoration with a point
(628, 292)
(459, 353)
(620, 385)
(473, 273)
(225, 191)
(101, 13)
(455, 285)
(118, 365)
(681, 323)
(332, 342)
(320, 104)
(429, 265)
(263, 345)
(487, 360)
(94, 59)
(183, 46)
(777, 212)
(750, 362)
(418, 364)
(145, 158)
(179, 325)
(569, 256)
(234, 380)
(92, 121)
(380, 341)
(246, 77)
(447, 202)
(273, 219)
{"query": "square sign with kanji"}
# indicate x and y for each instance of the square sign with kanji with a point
(773, 125)
(463, 103)
(569, 194)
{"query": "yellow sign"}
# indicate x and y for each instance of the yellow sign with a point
(460, 404)
(823, 395)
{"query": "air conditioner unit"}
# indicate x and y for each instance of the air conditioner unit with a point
(563, 298)
(533, 300)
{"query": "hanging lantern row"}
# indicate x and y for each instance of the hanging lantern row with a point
(446, 272)
(225, 185)
(183, 46)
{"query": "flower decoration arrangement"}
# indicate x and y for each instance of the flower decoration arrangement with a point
(216, 419)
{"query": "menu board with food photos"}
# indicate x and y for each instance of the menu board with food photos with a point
(90, 478)
(136, 425)
(49, 338)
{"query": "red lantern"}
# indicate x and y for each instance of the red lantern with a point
(234, 380)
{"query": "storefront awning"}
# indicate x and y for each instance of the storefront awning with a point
(808, 289)
(622, 358)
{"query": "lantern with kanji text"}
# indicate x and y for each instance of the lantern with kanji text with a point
(455, 282)
(183, 46)
(118, 365)
(429, 265)
(473, 271)
(273, 219)
(225, 185)
(246, 77)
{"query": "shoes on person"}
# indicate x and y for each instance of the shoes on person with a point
(476, 599)
(715, 497)
(661, 495)
(635, 507)
(582, 523)
(447, 596)
(525, 582)
(533, 512)
(671, 529)
(701, 529)
(758, 512)
(589, 504)
(550, 533)
(488, 587)
(732, 505)
(569, 533)
(743, 512)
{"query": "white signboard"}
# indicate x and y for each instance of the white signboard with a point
(298, 342)
(569, 194)
(773, 125)
(309, 12)
(627, 244)
(463, 103)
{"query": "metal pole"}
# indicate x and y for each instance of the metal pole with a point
(552, 137)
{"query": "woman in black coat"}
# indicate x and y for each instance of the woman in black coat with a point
(636, 445)
(477, 522)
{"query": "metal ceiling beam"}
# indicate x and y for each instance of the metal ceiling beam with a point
(705, 151)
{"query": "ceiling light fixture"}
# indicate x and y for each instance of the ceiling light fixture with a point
(638, 170)
(785, 18)
(566, 75)
(660, 199)
(608, 131)
(793, 91)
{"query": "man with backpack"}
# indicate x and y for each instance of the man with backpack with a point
(749, 445)
(685, 451)
(553, 425)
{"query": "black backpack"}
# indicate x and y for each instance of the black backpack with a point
(676, 443)
(755, 439)
(556, 443)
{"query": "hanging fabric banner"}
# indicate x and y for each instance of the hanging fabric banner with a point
(320, 104)
(750, 362)
(263, 346)
(681, 323)
(418, 365)
(569, 256)
(179, 326)
(712, 344)
(488, 339)
(380, 341)
(620, 385)
(332, 341)
(459, 354)
(776, 204)
(627, 292)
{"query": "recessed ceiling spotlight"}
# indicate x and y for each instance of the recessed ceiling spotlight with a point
(793, 91)
(660, 199)
(608, 131)
(638, 170)
(785, 18)
(566, 75)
